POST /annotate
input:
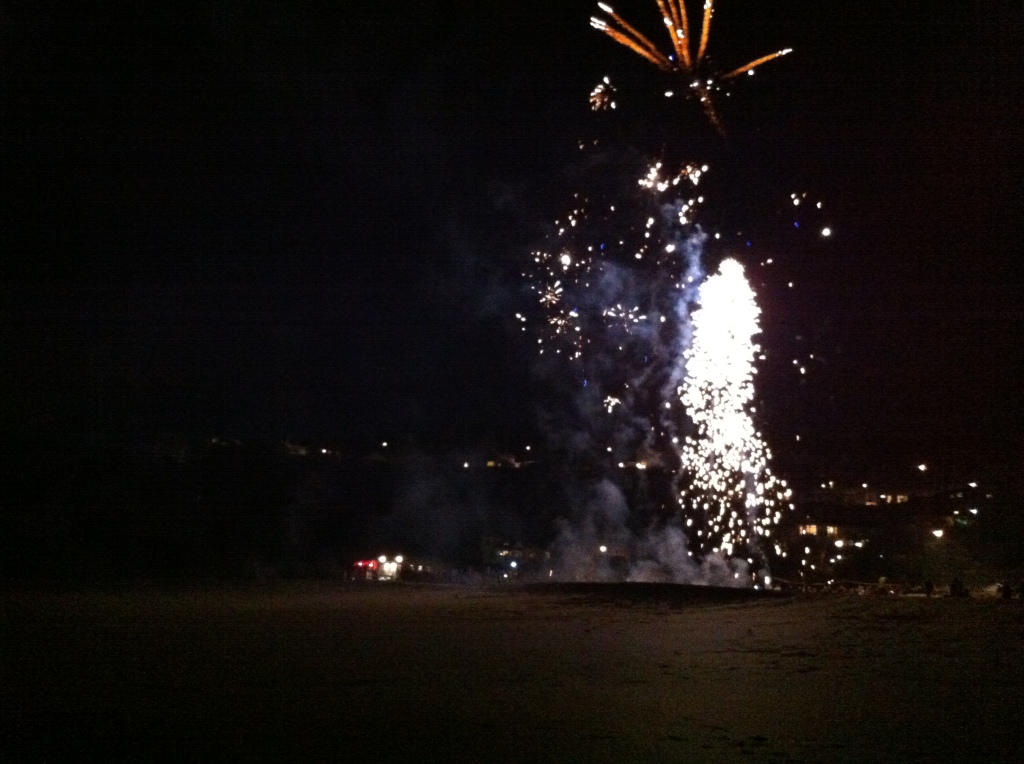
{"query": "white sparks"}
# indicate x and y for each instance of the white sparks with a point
(727, 461)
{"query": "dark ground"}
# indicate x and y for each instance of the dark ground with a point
(430, 673)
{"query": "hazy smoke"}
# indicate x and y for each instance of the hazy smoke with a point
(634, 445)
(663, 556)
(600, 521)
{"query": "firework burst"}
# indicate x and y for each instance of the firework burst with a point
(731, 499)
(686, 57)
(614, 265)
(652, 363)
(661, 363)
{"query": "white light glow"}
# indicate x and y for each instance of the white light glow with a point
(731, 486)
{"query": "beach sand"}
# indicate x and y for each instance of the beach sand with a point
(613, 673)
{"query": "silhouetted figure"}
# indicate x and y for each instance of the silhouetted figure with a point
(1007, 591)
(929, 588)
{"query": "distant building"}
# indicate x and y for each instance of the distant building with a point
(857, 531)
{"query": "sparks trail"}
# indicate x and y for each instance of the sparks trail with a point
(690, 64)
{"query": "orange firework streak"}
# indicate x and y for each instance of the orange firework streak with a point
(655, 57)
(671, 17)
(674, 14)
(631, 38)
(684, 23)
(705, 29)
(758, 62)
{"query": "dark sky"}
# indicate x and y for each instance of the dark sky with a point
(305, 219)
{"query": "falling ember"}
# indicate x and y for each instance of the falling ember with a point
(731, 496)
(552, 294)
(602, 96)
(683, 59)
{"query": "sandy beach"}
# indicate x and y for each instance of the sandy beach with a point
(558, 673)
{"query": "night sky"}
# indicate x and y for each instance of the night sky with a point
(307, 220)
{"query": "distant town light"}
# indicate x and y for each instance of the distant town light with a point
(513, 564)
(973, 485)
(922, 467)
(937, 533)
(399, 559)
(839, 543)
(382, 559)
(602, 549)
